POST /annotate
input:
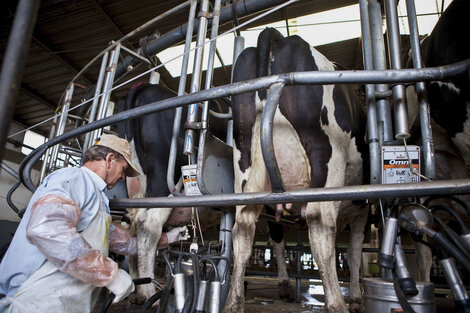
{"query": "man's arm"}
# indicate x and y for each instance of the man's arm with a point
(52, 229)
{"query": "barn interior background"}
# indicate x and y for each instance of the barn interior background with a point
(70, 33)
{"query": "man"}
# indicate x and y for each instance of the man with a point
(58, 257)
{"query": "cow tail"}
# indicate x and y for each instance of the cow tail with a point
(266, 40)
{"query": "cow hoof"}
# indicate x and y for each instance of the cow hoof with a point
(336, 308)
(356, 306)
(232, 310)
(286, 293)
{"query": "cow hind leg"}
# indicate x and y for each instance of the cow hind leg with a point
(243, 233)
(276, 232)
(149, 227)
(354, 261)
(321, 220)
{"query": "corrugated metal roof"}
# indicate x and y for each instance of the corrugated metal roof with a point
(70, 33)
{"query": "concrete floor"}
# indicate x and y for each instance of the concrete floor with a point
(262, 297)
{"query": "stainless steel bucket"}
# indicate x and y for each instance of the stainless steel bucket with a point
(380, 297)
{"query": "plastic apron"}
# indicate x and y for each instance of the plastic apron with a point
(50, 290)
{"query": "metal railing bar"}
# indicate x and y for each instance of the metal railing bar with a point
(360, 192)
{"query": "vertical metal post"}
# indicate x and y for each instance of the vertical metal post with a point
(398, 91)
(61, 126)
(297, 279)
(424, 111)
(47, 155)
(94, 105)
(108, 85)
(196, 78)
(225, 235)
(384, 114)
(13, 63)
(373, 138)
(179, 111)
(210, 62)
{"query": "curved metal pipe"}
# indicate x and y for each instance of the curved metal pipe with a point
(312, 77)
(267, 146)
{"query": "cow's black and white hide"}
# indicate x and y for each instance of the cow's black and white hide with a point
(449, 103)
(318, 136)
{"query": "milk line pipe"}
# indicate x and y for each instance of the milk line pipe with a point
(311, 77)
(178, 34)
(424, 110)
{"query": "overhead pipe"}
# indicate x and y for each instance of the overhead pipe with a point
(13, 63)
(312, 77)
(178, 34)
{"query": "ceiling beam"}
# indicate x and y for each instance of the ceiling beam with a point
(38, 97)
(49, 48)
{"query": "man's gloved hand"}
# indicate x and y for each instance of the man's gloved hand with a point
(177, 234)
(121, 286)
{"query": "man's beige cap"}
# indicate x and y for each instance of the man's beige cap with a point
(121, 146)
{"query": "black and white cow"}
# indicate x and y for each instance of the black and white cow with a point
(449, 103)
(151, 138)
(318, 142)
(450, 100)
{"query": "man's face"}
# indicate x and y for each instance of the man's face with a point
(116, 168)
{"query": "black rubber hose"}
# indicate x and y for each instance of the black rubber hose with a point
(445, 244)
(189, 297)
(166, 294)
(456, 239)
(453, 198)
(463, 228)
(10, 202)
